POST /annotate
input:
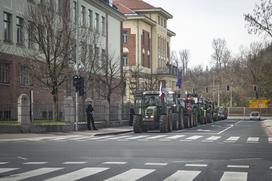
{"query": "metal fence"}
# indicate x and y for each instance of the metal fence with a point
(9, 112)
(245, 111)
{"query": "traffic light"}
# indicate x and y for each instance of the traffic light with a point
(255, 88)
(228, 88)
(78, 83)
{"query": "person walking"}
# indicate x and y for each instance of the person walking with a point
(90, 119)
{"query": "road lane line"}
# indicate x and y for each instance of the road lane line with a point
(156, 164)
(155, 137)
(100, 137)
(3, 163)
(119, 137)
(137, 137)
(238, 166)
(34, 163)
(232, 139)
(193, 137)
(131, 175)
(225, 129)
(195, 165)
(74, 163)
(115, 163)
(234, 176)
(29, 174)
(3, 170)
(79, 174)
(183, 175)
(213, 138)
(253, 139)
(175, 137)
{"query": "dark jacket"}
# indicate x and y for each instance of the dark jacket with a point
(89, 110)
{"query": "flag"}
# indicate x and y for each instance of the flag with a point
(161, 92)
(179, 80)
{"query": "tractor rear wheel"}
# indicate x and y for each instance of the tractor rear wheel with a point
(137, 124)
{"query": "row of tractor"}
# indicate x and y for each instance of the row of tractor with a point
(165, 111)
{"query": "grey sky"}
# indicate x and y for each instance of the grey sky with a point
(198, 22)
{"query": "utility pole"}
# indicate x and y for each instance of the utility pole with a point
(218, 96)
(77, 58)
(231, 96)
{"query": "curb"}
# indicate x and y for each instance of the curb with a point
(112, 133)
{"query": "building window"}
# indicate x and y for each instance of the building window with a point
(74, 11)
(90, 19)
(83, 17)
(125, 37)
(19, 30)
(165, 23)
(7, 27)
(30, 35)
(97, 55)
(24, 75)
(96, 23)
(4, 73)
(125, 60)
(103, 26)
(159, 20)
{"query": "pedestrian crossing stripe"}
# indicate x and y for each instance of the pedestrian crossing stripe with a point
(270, 139)
(119, 137)
(34, 163)
(195, 165)
(3, 163)
(29, 174)
(253, 139)
(238, 166)
(233, 139)
(3, 170)
(213, 138)
(155, 137)
(175, 137)
(183, 175)
(131, 175)
(137, 137)
(194, 137)
(73, 163)
(79, 174)
(234, 176)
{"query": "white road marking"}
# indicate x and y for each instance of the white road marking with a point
(155, 137)
(183, 175)
(100, 137)
(213, 138)
(73, 163)
(80, 138)
(23, 158)
(29, 174)
(34, 163)
(232, 139)
(3, 170)
(156, 164)
(79, 174)
(195, 165)
(119, 137)
(3, 163)
(270, 168)
(131, 175)
(164, 139)
(253, 139)
(270, 139)
(175, 137)
(193, 137)
(234, 176)
(115, 163)
(137, 137)
(225, 129)
(238, 166)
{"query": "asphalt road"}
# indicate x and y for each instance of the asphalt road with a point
(225, 150)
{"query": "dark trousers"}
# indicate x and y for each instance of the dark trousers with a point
(90, 119)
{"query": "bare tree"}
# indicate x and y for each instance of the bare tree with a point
(260, 21)
(50, 40)
(110, 76)
(221, 54)
(184, 56)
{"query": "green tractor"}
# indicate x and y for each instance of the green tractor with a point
(152, 112)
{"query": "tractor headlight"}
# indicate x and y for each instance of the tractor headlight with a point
(152, 117)
(146, 116)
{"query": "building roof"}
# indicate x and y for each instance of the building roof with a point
(134, 6)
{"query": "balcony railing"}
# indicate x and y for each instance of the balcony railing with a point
(168, 70)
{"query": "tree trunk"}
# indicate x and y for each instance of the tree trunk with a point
(55, 105)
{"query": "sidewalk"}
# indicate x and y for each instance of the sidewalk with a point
(99, 132)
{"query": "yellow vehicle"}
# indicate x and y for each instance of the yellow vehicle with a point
(258, 103)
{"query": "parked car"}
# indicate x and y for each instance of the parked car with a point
(255, 115)
(222, 113)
